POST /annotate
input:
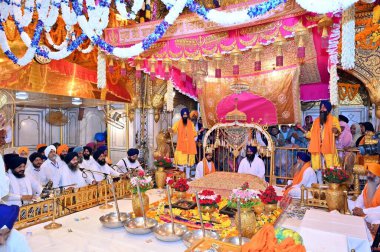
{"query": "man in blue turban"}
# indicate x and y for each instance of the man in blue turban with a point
(130, 163)
(184, 155)
(252, 163)
(304, 175)
(11, 239)
(322, 139)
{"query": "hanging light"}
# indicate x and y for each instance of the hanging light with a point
(167, 63)
(138, 61)
(123, 69)
(182, 65)
(278, 43)
(218, 57)
(111, 66)
(22, 95)
(324, 24)
(76, 101)
(258, 48)
(235, 54)
(301, 50)
(152, 68)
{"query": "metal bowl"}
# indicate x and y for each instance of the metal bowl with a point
(136, 225)
(193, 236)
(164, 232)
(235, 240)
(111, 221)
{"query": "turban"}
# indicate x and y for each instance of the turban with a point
(23, 148)
(15, 162)
(40, 145)
(194, 114)
(103, 148)
(49, 148)
(8, 216)
(252, 148)
(303, 156)
(132, 152)
(87, 148)
(56, 144)
(71, 149)
(97, 154)
(327, 104)
(8, 157)
(70, 156)
(100, 137)
(184, 110)
(78, 149)
(42, 149)
(374, 168)
(343, 118)
(369, 127)
(35, 155)
(62, 148)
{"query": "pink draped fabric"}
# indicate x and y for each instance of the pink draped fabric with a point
(257, 108)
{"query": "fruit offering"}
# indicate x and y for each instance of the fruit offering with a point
(283, 233)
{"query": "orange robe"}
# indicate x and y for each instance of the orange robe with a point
(205, 167)
(186, 148)
(298, 177)
(374, 202)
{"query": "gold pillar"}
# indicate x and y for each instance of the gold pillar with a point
(108, 131)
(126, 106)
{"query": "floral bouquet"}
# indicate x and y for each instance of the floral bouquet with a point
(181, 185)
(145, 182)
(335, 175)
(208, 198)
(163, 162)
(248, 197)
(269, 196)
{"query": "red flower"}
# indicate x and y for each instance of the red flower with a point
(141, 173)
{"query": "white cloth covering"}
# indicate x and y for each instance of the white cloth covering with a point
(16, 242)
(19, 187)
(125, 165)
(103, 169)
(52, 171)
(77, 177)
(4, 180)
(199, 169)
(256, 168)
(309, 177)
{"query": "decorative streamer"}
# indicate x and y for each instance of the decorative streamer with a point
(325, 6)
(348, 38)
(102, 70)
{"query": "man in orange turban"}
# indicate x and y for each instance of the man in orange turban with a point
(23, 151)
(62, 151)
(368, 201)
(322, 139)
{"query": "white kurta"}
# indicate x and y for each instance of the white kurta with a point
(309, 177)
(4, 180)
(19, 187)
(16, 242)
(125, 165)
(103, 169)
(199, 169)
(372, 213)
(88, 163)
(256, 168)
(77, 177)
(52, 171)
(36, 174)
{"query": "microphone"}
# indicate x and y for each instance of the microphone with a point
(98, 172)
(46, 190)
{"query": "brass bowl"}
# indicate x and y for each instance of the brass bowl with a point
(136, 225)
(235, 240)
(111, 221)
(164, 232)
(193, 236)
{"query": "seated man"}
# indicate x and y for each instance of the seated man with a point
(22, 189)
(304, 175)
(52, 168)
(252, 163)
(101, 168)
(4, 181)
(129, 163)
(368, 202)
(206, 166)
(33, 169)
(10, 239)
(88, 160)
(72, 175)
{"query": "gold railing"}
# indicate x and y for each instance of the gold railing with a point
(69, 202)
